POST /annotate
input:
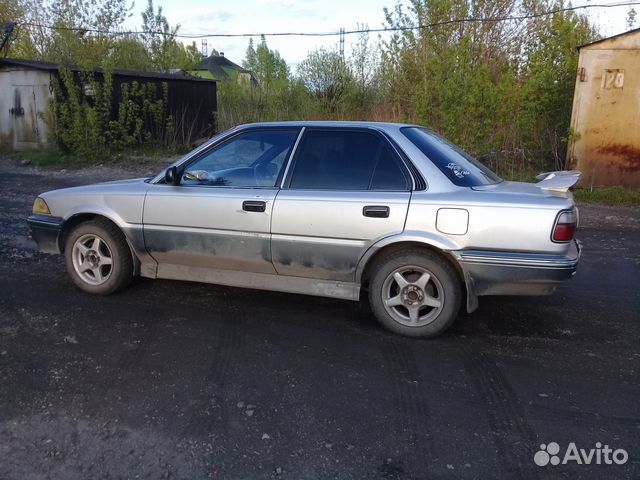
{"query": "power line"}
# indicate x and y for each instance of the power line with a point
(340, 33)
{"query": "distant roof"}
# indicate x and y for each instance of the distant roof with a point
(635, 30)
(220, 66)
(50, 66)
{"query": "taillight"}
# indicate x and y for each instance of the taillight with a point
(565, 227)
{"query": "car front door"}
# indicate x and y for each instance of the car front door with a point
(219, 215)
(346, 189)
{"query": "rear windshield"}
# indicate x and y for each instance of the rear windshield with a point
(459, 167)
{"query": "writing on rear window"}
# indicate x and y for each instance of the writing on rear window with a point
(457, 170)
(458, 166)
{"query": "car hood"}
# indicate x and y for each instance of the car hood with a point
(124, 182)
(112, 187)
(121, 201)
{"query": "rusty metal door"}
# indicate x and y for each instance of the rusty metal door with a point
(25, 121)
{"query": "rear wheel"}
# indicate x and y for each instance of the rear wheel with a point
(415, 293)
(98, 258)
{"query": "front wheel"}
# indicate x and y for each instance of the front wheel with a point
(415, 293)
(98, 258)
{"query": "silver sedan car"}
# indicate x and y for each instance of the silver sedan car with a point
(389, 212)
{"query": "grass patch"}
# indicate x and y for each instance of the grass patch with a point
(58, 159)
(608, 196)
(51, 158)
(519, 176)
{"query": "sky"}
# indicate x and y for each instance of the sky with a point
(264, 16)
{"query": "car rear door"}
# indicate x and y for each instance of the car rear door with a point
(219, 216)
(345, 189)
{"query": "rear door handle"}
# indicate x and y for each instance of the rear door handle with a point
(376, 211)
(254, 206)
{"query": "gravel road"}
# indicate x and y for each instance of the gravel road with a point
(190, 381)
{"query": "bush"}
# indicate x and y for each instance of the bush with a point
(83, 121)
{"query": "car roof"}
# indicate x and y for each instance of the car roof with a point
(324, 123)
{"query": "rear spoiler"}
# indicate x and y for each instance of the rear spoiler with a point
(560, 181)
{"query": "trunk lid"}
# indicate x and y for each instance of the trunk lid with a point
(551, 184)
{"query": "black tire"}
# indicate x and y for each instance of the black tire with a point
(443, 286)
(112, 247)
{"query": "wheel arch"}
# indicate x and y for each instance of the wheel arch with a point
(79, 218)
(438, 246)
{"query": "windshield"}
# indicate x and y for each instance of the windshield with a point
(459, 167)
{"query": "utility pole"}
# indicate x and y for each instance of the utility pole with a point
(342, 43)
(7, 30)
(205, 50)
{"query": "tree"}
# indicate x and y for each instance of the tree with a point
(364, 65)
(81, 34)
(158, 37)
(130, 53)
(184, 57)
(550, 74)
(363, 60)
(442, 76)
(327, 76)
(18, 42)
(266, 65)
(493, 86)
(11, 11)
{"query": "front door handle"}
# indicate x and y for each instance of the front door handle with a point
(376, 211)
(254, 206)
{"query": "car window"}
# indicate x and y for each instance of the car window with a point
(389, 173)
(347, 160)
(250, 159)
(459, 167)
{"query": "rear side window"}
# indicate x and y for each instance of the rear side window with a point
(347, 160)
(459, 167)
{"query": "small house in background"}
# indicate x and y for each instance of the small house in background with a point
(605, 121)
(26, 89)
(220, 68)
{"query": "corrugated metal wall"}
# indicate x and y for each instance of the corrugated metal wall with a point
(192, 104)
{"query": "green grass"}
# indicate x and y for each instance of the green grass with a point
(519, 176)
(58, 159)
(51, 158)
(608, 196)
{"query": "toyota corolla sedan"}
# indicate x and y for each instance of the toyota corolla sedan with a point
(386, 212)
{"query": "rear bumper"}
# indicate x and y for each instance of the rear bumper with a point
(45, 230)
(511, 273)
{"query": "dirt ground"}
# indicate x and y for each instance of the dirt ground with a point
(190, 381)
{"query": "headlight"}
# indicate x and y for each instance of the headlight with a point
(40, 207)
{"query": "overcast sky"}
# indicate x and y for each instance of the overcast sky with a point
(264, 16)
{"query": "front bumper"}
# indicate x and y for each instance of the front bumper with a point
(45, 230)
(511, 273)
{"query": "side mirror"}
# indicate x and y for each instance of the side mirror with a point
(171, 176)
